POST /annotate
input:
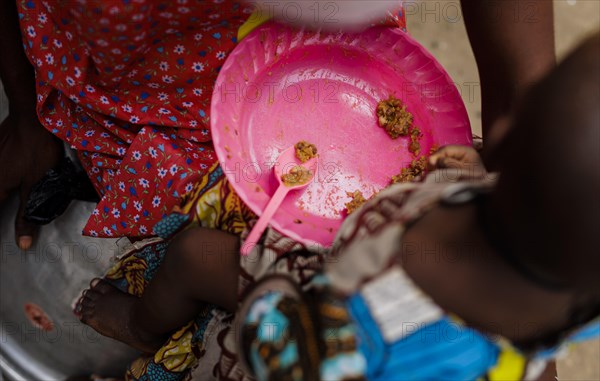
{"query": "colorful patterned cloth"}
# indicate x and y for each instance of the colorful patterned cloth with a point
(372, 321)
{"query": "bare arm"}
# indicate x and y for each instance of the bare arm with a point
(513, 42)
(16, 72)
(27, 150)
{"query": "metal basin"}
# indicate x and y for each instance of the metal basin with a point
(42, 283)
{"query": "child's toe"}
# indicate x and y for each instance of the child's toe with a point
(87, 304)
(92, 294)
(94, 282)
(78, 310)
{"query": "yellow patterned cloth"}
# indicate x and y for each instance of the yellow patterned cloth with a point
(215, 205)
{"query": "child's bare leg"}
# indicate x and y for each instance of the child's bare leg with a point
(201, 266)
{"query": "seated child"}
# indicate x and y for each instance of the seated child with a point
(460, 277)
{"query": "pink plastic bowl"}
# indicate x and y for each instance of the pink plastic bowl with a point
(280, 86)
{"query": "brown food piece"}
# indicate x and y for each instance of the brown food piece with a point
(415, 146)
(298, 175)
(434, 149)
(357, 201)
(413, 173)
(394, 118)
(305, 151)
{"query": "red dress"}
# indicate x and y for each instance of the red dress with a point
(128, 84)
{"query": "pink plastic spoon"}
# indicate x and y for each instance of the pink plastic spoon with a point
(285, 162)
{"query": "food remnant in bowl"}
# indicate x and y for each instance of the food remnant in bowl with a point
(393, 117)
(298, 175)
(413, 173)
(305, 151)
(357, 201)
(434, 149)
(415, 146)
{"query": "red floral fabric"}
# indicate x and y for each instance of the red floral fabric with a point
(128, 83)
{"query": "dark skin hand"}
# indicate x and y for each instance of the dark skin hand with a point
(27, 149)
(489, 317)
(513, 43)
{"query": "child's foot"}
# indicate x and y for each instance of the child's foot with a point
(110, 312)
